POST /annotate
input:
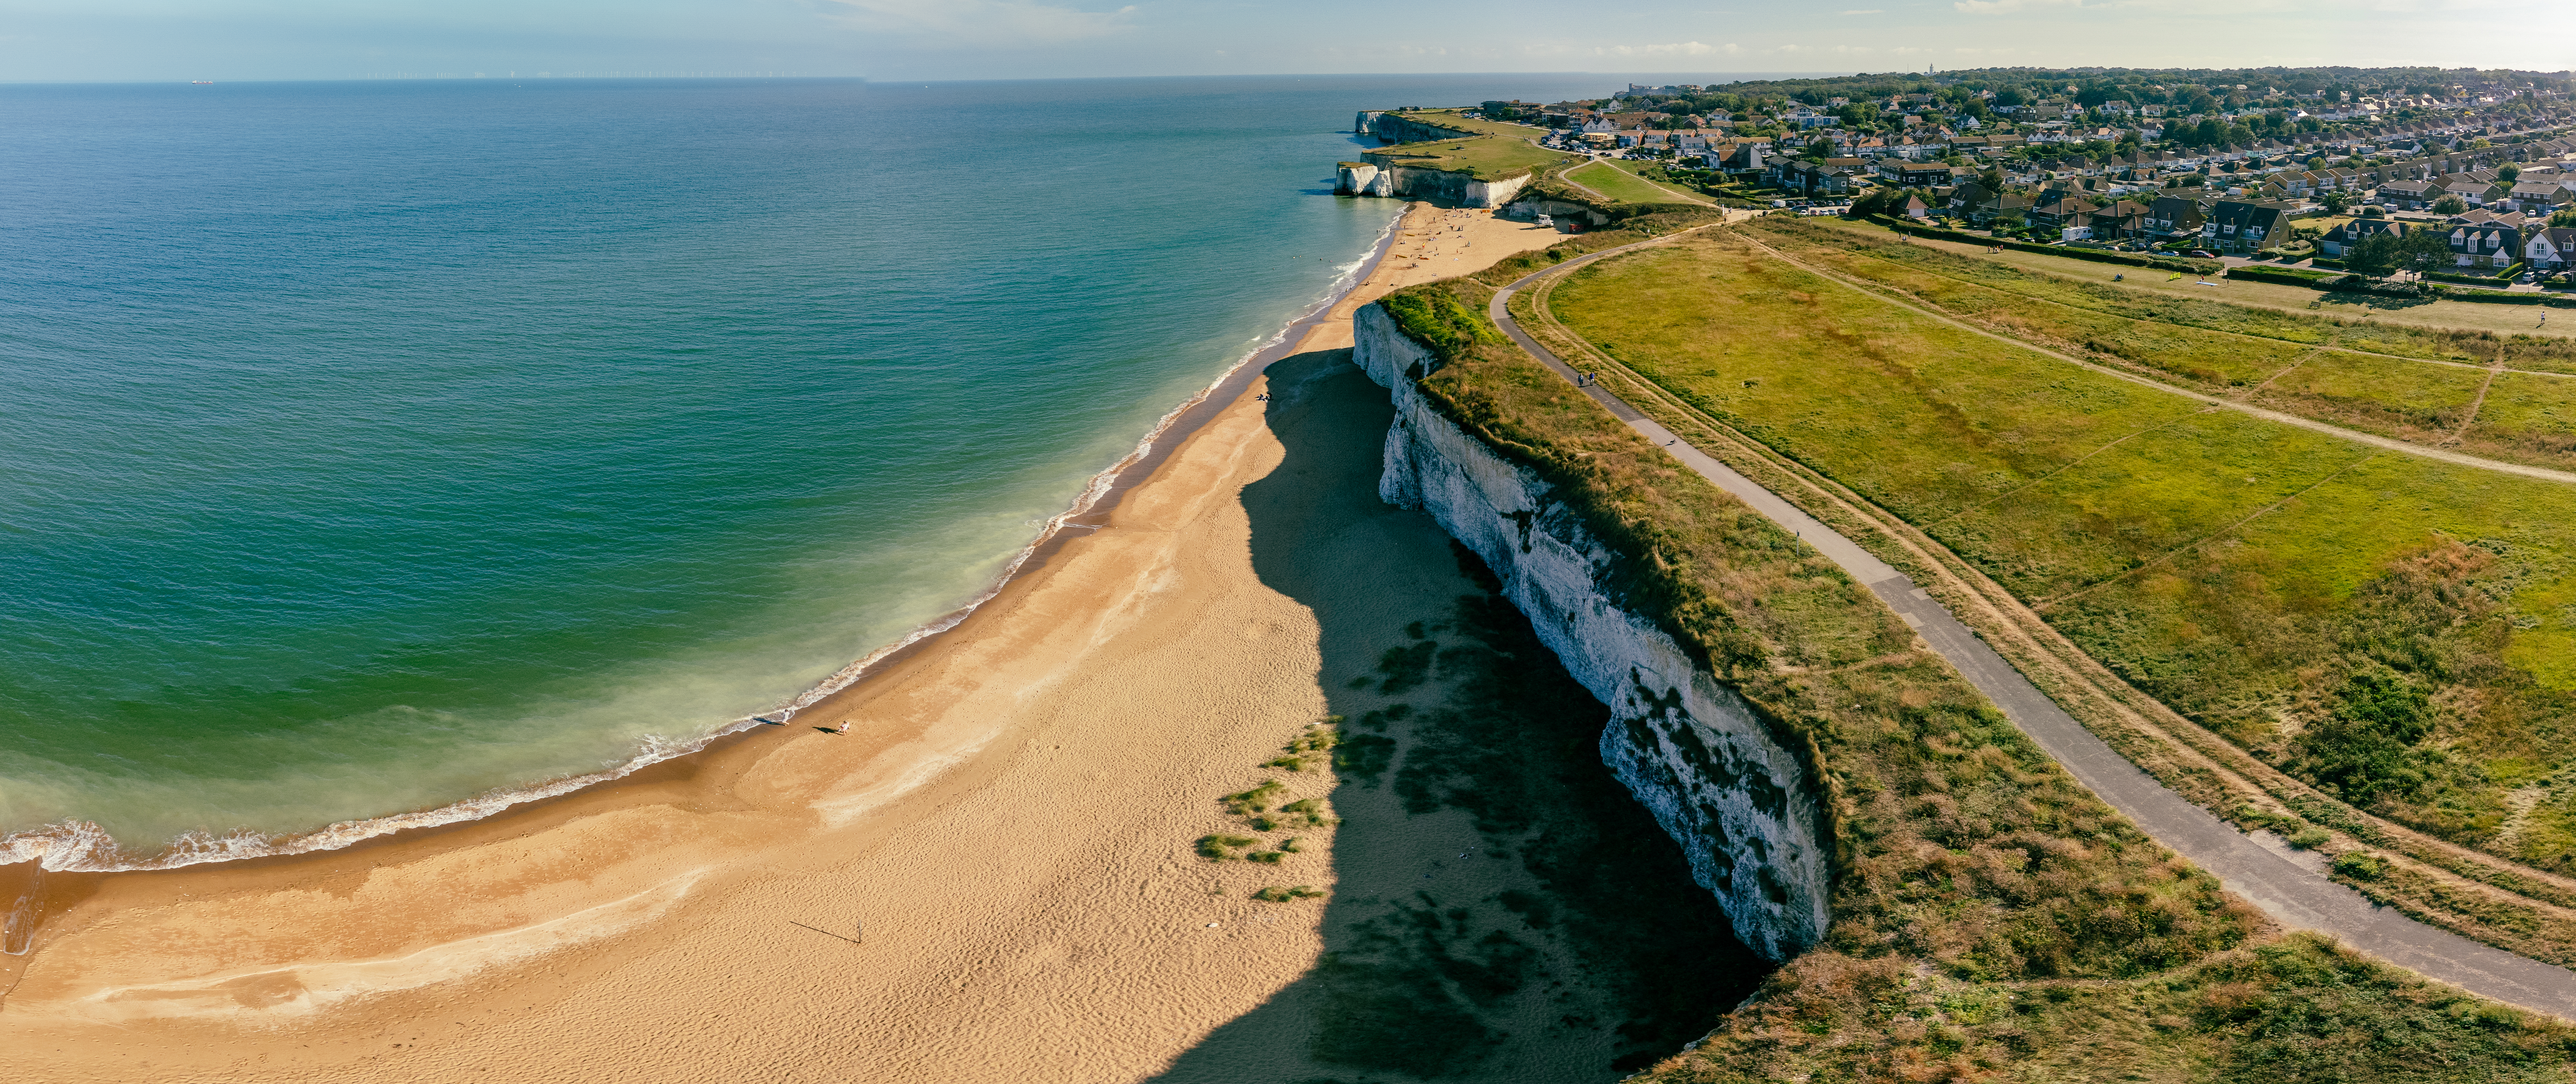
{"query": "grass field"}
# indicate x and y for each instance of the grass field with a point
(1990, 915)
(1457, 118)
(1619, 184)
(1486, 158)
(2266, 581)
(2329, 368)
(2462, 315)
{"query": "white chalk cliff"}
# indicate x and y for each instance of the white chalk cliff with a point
(1692, 750)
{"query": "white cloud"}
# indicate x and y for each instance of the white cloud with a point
(1678, 48)
(986, 22)
(2007, 7)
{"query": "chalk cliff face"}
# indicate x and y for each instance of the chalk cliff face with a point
(1380, 179)
(1693, 751)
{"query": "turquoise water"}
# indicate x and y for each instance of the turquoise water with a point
(375, 447)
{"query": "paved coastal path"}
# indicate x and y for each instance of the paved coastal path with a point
(2292, 893)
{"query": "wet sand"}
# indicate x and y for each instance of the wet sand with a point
(988, 878)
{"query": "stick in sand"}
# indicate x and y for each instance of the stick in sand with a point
(820, 930)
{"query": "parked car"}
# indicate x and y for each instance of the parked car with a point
(2200, 255)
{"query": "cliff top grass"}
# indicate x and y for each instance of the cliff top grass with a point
(1620, 184)
(1457, 118)
(2423, 385)
(2438, 314)
(2396, 631)
(1486, 158)
(1988, 912)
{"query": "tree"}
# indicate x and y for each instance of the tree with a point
(2337, 201)
(1819, 148)
(2450, 205)
(2421, 250)
(2563, 219)
(2374, 257)
(1992, 180)
(2508, 172)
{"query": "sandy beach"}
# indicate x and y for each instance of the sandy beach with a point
(989, 877)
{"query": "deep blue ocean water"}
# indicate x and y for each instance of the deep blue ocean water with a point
(370, 447)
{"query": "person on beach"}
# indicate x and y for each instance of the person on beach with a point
(845, 726)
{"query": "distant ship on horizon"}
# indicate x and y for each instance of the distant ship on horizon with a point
(201, 82)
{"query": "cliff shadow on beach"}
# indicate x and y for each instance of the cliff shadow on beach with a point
(1500, 907)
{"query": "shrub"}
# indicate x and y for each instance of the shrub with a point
(2161, 263)
(2309, 839)
(2366, 745)
(2360, 865)
(1275, 894)
(2286, 276)
(1436, 319)
(1220, 847)
(1256, 800)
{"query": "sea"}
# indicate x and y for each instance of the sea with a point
(383, 454)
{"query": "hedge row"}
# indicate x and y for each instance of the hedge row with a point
(2286, 276)
(2315, 280)
(2499, 297)
(2471, 280)
(2195, 267)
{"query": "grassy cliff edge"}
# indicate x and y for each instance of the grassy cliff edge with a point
(1991, 918)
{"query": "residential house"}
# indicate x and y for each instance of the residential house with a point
(2174, 216)
(1921, 174)
(1986, 209)
(2339, 240)
(2247, 226)
(2547, 193)
(2119, 220)
(2410, 195)
(2550, 250)
(2057, 208)
(2489, 244)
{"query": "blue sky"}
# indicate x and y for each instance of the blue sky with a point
(154, 40)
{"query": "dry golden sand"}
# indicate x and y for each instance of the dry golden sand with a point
(1010, 817)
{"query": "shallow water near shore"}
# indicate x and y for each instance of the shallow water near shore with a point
(374, 447)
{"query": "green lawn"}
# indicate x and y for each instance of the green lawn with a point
(1486, 158)
(2319, 366)
(1622, 185)
(1638, 170)
(1457, 118)
(2245, 572)
(2504, 320)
